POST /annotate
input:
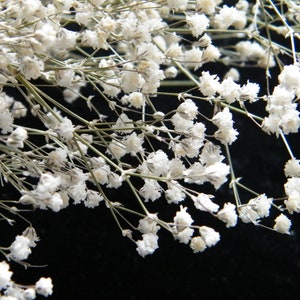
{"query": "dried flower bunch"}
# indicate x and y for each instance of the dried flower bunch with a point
(99, 95)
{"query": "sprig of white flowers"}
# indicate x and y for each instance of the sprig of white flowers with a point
(139, 67)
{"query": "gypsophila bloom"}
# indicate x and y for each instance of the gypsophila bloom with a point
(171, 72)
(65, 129)
(210, 53)
(247, 214)
(32, 67)
(148, 224)
(210, 154)
(123, 124)
(207, 6)
(282, 224)
(292, 190)
(292, 168)
(216, 174)
(289, 78)
(228, 214)
(203, 202)
(151, 190)
(292, 204)
(181, 124)
(229, 90)
(228, 16)
(6, 120)
(55, 202)
(249, 92)
(193, 58)
(44, 286)
(29, 294)
(133, 144)
(136, 99)
(174, 193)
(20, 249)
(283, 113)
(5, 275)
(177, 4)
(198, 23)
(261, 204)
(19, 110)
(208, 84)
(188, 109)
(209, 235)
(116, 149)
(197, 244)
(226, 133)
(147, 245)
(57, 157)
(48, 183)
(233, 73)
(64, 77)
(182, 221)
(17, 137)
(292, 185)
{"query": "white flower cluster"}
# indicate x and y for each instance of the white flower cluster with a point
(292, 189)
(228, 89)
(281, 105)
(149, 115)
(19, 251)
(14, 291)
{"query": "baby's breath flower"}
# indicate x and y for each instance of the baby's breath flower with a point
(44, 286)
(292, 168)
(177, 4)
(198, 23)
(229, 90)
(148, 224)
(228, 16)
(207, 6)
(174, 194)
(193, 58)
(93, 199)
(247, 214)
(148, 244)
(182, 219)
(171, 72)
(226, 133)
(203, 202)
(228, 214)
(282, 224)
(289, 78)
(261, 204)
(188, 109)
(17, 137)
(31, 68)
(5, 275)
(209, 235)
(136, 99)
(6, 120)
(208, 84)
(151, 190)
(20, 248)
(216, 174)
(292, 204)
(197, 244)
